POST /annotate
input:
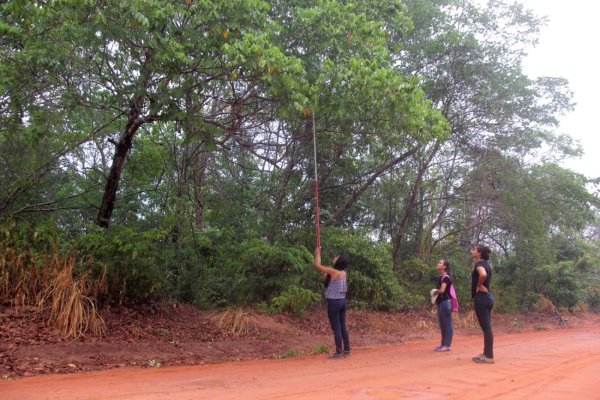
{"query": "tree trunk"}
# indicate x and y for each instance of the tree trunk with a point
(410, 207)
(134, 121)
(200, 169)
(116, 169)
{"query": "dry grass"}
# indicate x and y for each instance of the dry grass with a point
(72, 301)
(545, 306)
(468, 320)
(425, 325)
(49, 282)
(21, 278)
(236, 321)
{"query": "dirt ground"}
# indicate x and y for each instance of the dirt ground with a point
(392, 357)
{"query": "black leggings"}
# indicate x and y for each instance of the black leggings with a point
(336, 311)
(484, 302)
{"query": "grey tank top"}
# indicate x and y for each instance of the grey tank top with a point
(337, 289)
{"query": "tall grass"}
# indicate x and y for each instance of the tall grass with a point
(51, 283)
(22, 277)
(71, 300)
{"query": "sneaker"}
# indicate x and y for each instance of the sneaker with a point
(337, 355)
(442, 348)
(437, 348)
(346, 353)
(482, 359)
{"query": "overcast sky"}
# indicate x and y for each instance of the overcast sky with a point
(568, 48)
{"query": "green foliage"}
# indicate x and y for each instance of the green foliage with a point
(271, 269)
(414, 269)
(587, 268)
(289, 353)
(136, 270)
(296, 300)
(321, 349)
(251, 272)
(371, 280)
(214, 99)
(592, 298)
(507, 299)
(558, 282)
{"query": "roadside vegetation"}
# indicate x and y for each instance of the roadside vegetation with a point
(162, 151)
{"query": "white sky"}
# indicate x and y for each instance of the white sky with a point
(568, 48)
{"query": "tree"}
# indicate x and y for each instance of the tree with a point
(470, 61)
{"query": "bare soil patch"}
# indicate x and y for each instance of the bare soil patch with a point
(176, 334)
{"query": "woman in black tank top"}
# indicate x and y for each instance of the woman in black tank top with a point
(483, 300)
(444, 307)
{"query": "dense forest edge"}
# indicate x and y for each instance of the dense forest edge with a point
(161, 152)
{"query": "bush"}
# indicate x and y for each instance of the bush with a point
(558, 282)
(134, 261)
(592, 298)
(507, 300)
(271, 269)
(296, 300)
(371, 280)
(250, 272)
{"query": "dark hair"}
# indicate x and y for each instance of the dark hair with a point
(484, 251)
(447, 265)
(340, 264)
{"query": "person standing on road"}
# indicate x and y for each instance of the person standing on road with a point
(336, 287)
(483, 300)
(444, 306)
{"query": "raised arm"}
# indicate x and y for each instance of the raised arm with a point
(324, 269)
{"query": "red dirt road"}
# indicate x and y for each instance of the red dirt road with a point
(552, 364)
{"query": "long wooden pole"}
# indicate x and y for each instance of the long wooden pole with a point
(317, 216)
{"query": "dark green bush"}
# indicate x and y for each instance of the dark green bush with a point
(295, 299)
(134, 260)
(592, 298)
(251, 272)
(371, 280)
(558, 282)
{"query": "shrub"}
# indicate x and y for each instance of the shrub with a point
(321, 349)
(271, 269)
(296, 300)
(592, 298)
(236, 321)
(371, 280)
(250, 272)
(134, 262)
(507, 299)
(72, 300)
(558, 282)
